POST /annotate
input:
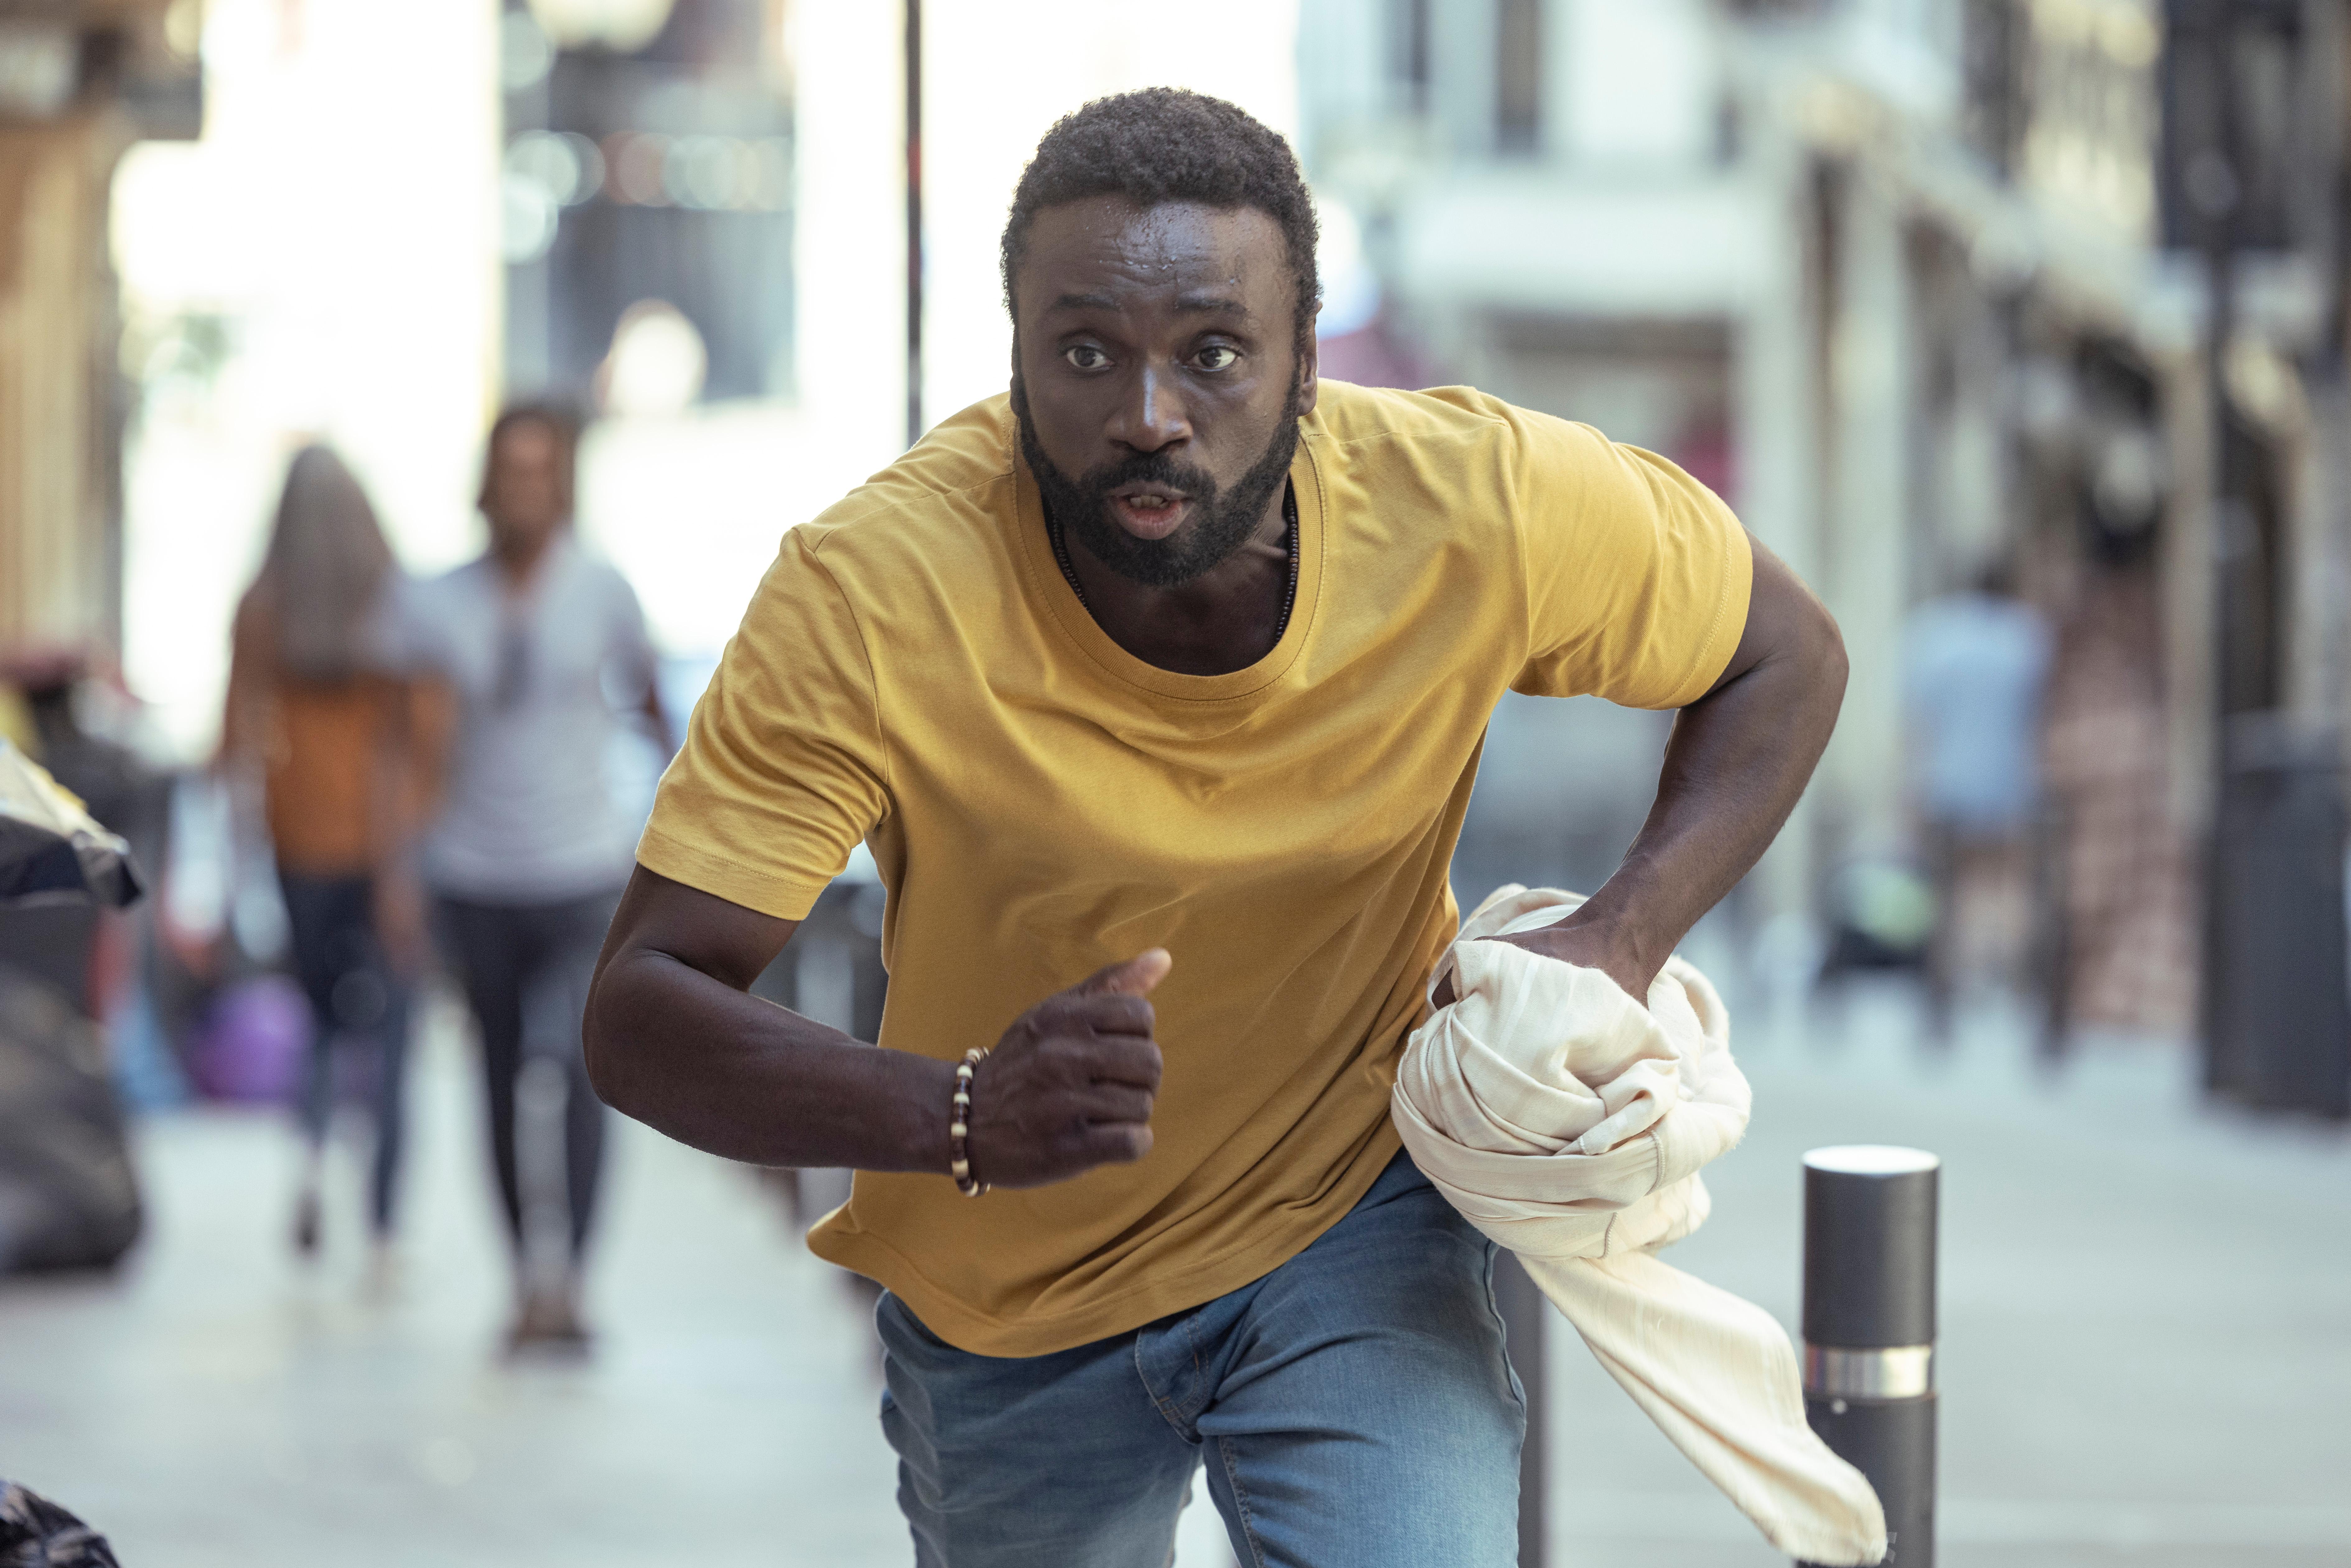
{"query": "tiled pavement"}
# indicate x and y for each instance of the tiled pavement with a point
(215, 1405)
(2145, 1310)
(2146, 1347)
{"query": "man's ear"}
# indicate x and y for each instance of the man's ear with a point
(1310, 370)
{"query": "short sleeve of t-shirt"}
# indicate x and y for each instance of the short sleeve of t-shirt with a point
(1637, 575)
(782, 771)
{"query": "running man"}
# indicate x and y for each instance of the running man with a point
(1157, 689)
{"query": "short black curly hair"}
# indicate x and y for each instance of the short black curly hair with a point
(1168, 144)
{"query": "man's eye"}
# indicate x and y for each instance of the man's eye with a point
(1218, 356)
(1085, 356)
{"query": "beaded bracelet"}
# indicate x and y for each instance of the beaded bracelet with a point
(959, 1128)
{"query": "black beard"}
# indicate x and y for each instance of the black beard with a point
(1222, 522)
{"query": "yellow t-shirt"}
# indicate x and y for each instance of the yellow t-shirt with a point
(915, 672)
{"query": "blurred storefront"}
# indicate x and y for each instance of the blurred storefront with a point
(1550, 202)
(78, 83)
(648, 160)
(2149, 435)
(1920, 285)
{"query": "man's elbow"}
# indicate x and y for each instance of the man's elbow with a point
(1827, 657)
(602, 1040)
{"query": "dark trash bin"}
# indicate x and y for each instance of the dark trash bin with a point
(2277, 1000)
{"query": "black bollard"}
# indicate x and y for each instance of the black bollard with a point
(1869, 1327)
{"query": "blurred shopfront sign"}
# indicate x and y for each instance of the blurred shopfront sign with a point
(2239, 90)
(648, 163)
(141, 61)
(2088, 132)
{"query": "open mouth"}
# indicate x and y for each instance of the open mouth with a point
(1149, 511)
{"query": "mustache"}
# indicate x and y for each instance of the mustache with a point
(1146, 468)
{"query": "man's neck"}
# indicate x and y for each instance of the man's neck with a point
(518, 561)
(1226, 619)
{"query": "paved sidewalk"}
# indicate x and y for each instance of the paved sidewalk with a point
(218, 1405)
(215, 1405)
(2147, 1346)
(2146, 1349)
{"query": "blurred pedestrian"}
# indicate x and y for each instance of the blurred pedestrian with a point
(2120, 868)
(317, 719)
(533, 645)
(1974, 666)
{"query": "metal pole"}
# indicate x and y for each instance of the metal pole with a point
(2213, 188)
(1869, 1327)
(1524, 1310)
(913, 221)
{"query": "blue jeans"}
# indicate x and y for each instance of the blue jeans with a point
(356, 999)
(1355, 1407)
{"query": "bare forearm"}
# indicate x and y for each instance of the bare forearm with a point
(1733, 770)
(1739, 758)
(742, 1078)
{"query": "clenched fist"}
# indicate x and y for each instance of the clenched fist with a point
(1070, 1085)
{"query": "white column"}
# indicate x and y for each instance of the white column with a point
(1775, 426)
(849, 241)
(1863, 574)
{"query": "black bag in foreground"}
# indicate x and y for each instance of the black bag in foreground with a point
(68, 1196)
(36, 1534)
(50, 848)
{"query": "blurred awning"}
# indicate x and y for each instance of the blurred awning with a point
(2021, 235)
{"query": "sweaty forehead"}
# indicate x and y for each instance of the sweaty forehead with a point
(1108, 250)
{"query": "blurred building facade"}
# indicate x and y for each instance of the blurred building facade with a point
(648, 158)
(1918, 285)
(80, 81)
(1921, 285)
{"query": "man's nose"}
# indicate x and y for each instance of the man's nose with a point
(1150, 414)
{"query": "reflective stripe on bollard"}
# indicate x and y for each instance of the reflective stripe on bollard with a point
(1869, 1327)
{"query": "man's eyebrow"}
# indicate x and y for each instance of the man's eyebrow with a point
(1186, 305)
(1210, 305)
